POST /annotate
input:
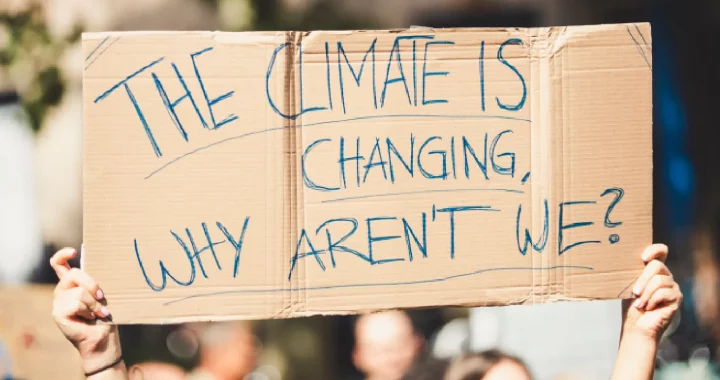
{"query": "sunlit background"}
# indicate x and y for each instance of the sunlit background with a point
(41, 66)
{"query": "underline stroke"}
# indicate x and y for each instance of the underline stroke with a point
(248, 134)
(405, 283)
(420, 192)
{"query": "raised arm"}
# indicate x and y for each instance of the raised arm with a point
(646, 318)
(79, 312)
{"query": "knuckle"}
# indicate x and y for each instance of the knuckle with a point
(93, 304)
(656, 265)
(74, 273)
(76, 294)
(655, 281)
(79, 305)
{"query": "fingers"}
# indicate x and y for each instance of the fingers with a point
(653, 268)
(77, 302)
(84, 312)
(95, 307)
(75, 277)
(665, 296)
(59, 261)
(655, 283)
(69, 308)
(77, 285)
(655, 252)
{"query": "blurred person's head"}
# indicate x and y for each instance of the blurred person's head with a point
(488, 365)
(386, 345)
(431, 369)
(156, 371)
(227, 350)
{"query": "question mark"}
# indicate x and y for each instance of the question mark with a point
(619, 193)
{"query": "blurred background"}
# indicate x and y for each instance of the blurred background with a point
(41, 67)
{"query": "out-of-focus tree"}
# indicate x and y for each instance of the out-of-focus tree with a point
(29, 60)
(238, 15)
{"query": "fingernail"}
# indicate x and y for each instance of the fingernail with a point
(105, 312)
(92, 316)
(100, 295)
(639, 304)
(637, 290)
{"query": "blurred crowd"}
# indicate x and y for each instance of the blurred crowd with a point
(41, 68)
(387, 347)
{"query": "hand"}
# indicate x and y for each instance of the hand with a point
(78, 311)
(657, 295)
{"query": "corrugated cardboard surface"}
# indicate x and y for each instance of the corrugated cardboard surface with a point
(31, 345)
(332, 150)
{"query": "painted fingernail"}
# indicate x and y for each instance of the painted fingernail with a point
(100, 294)
(105, 312)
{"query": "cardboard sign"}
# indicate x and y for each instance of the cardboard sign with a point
(31, 345)
(273, 175)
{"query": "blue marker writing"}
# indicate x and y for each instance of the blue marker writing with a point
(396, 55)
(562, 227)
(521, 103)
(375, 239)
(309, 183)
(211, 102)
(358, 76)
(426, 73)
(538, 246)
(443, 175)
(452, 211)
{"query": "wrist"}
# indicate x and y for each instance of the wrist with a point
(638, 334)
(640, 340)
(101, 362)
(117, 371)
(99, 353)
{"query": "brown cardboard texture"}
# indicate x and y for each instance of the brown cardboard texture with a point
(274, 175)
(31, 345)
